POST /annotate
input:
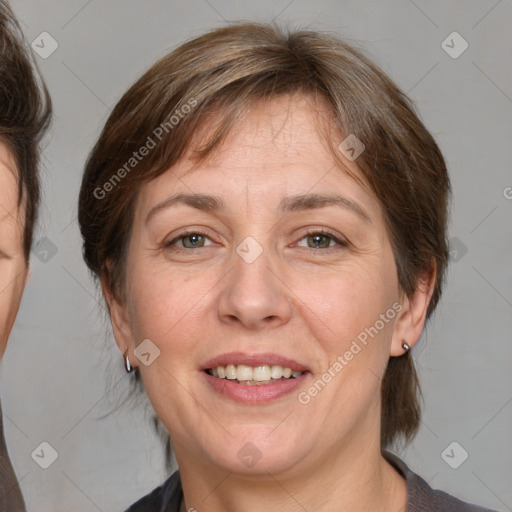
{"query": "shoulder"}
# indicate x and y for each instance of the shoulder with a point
(166, 498)
(422, 498)
(10, 494)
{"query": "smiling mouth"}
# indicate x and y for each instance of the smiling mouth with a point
(254, 375)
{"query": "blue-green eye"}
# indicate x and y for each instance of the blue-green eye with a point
(321, 240)
(318, 239)
(190, 240)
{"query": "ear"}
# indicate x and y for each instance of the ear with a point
(411, 320)
(120, 319)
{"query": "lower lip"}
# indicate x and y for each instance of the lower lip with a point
(255, 394)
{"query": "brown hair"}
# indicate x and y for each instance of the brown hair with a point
(221, 74)
(25, 113)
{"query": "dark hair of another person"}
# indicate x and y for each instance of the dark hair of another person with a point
(206, 85)
(25, 113)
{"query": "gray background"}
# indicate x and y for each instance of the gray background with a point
(62, 372)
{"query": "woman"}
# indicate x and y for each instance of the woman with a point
(25, 112)
(267, 217)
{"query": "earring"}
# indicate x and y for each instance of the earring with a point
(405, 346)
(127, 366)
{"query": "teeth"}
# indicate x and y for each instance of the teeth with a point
(258, 374)
(244, 372)
(230, 372)
(276, 372)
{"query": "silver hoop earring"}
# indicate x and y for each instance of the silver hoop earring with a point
(405, 346)
(127, 366)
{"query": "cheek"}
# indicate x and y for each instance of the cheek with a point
(12, 281)
(168, 310)
(341, 304)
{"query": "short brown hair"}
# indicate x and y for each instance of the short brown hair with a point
(224, 72)
(25, 113)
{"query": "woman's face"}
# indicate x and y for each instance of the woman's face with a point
(271, 257)
(13, 268)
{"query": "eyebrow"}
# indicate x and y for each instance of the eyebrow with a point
(208, 203)
(311, 201)
(201, 202)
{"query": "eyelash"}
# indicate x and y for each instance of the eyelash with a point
(323, 232)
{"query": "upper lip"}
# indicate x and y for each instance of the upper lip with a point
(254, 360)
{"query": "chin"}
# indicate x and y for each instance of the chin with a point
(256, 452)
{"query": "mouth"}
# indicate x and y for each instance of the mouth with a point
(260, 375)
(254, 378)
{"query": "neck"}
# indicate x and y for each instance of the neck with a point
(355, 480)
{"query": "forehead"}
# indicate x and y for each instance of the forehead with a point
(8, 174)
(284, 143)
(287, 126)
(9, 192)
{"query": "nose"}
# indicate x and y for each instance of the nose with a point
(255, 295)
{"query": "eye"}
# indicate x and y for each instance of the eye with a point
(189, 240)
(321, 239)
(316, 239)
